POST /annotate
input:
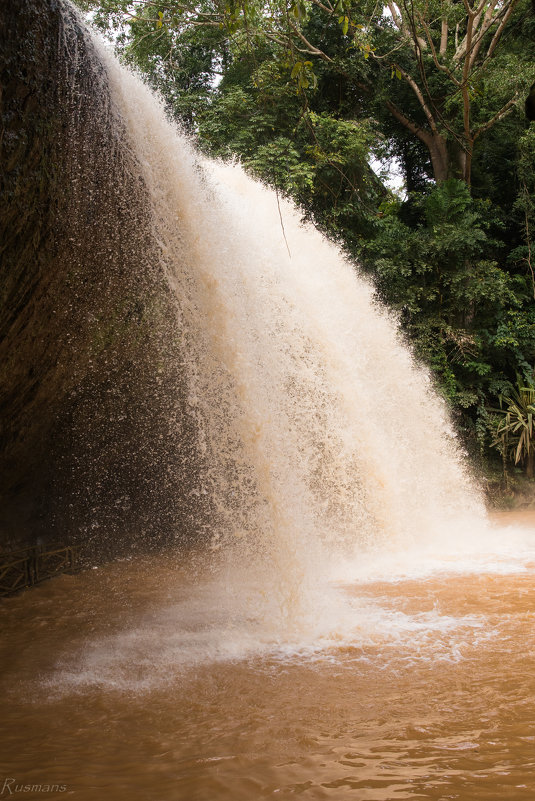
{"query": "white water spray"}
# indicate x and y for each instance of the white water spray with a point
(320, 433)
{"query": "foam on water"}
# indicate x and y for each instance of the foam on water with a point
(166, 649)
(482, 548)
(393, 615)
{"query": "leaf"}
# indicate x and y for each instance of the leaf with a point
(299, 10)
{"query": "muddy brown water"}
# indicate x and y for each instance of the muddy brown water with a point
(123, 683)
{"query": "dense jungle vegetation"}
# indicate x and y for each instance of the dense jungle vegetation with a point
(308, 94)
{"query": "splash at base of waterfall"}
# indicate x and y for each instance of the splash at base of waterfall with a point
(133, 681)
(193, 612)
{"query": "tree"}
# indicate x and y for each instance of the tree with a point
(444, 52)
(437, 67)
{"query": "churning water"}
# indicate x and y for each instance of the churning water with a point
(132, 681)
(353, 626)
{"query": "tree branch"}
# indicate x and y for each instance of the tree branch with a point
(501, 26)
(498, 116)
(423, 135)
(488, 21)
(438, 65)
(411, 30)
(417, 91)
(329, 9)
(397, 17)
(443, 37)
(314, 51)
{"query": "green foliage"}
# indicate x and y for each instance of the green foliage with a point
(513, 426)
(461, 308)
(319, 160)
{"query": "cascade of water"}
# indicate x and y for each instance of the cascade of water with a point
(319, 432)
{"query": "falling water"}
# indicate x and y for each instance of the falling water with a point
(320, 434)
(352, 623)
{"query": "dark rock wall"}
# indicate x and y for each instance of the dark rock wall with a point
(95, 440)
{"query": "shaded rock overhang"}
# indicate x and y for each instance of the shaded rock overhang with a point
(96, 442)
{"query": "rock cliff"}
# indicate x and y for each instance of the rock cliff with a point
(96, 444)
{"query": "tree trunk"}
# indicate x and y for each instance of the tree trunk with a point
(459, 161)
(446, 164)
(439, 157)
(464, 161)
(530, 464)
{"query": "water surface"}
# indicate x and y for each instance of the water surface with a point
(135, 681)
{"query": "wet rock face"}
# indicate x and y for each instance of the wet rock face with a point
(95, 440)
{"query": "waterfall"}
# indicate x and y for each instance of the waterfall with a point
(319, 433)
